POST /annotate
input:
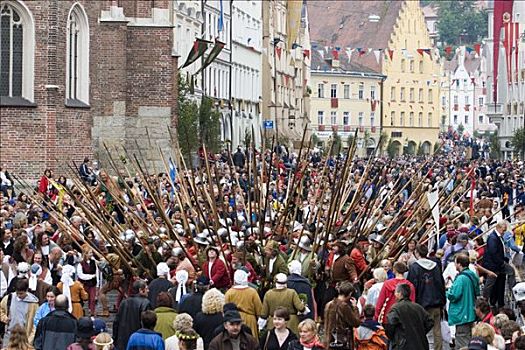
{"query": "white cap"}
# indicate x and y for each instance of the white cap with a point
(519, 291)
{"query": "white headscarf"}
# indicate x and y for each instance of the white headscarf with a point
(181, 277)
(240, 278)
(295, 267)
(163, 269)
(36, 270)
(67, 281)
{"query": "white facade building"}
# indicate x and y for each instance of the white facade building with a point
(431, 19)
(187, 27)
(246, 71)
(508, 110)
(463, 92)
(216, 77)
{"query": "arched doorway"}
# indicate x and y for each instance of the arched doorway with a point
(411, 147)
(426, 146)
(396, 146)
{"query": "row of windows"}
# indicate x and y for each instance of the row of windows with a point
(17, 44)
(411, 95)
(466, 119)
(411, 119)
(346, 91)
(346, 118)
(411, 66)
(481, 100)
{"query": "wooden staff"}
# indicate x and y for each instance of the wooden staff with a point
(179, 202)
(216, 215)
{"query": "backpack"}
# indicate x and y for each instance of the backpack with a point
(378, 341)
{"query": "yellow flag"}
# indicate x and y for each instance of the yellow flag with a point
(293, 23)
(61, 193)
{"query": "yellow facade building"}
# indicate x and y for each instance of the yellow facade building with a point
(397, 31)
(345, 97)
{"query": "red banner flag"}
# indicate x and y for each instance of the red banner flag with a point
(335, 54)
(516, 46)
(420, 51)
(278, 51)
(391, 54)
(501, 8)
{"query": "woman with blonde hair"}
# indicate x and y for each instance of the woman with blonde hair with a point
(183, 325)
(308, 337)
(18, 339)
(485, 332)
(210, 317)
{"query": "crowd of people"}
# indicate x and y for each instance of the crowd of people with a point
(272, 251)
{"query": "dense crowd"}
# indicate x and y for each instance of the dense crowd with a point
(273, 251)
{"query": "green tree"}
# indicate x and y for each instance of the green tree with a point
(383, 142)
(391, 149)
(187, 122)
(420, 151)
(518, 142)
(209, 125)
(350, 139)
(495, 147)
(460, 22)
(461, 128)
(436, 146)
(338, 144)
(315, 140)
(247, 137)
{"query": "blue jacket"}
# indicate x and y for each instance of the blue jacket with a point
(145, 339)
(494, 257)
(302, 286)
(462, 296)
(510, 244)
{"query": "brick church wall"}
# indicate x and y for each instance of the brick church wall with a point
(131, 77)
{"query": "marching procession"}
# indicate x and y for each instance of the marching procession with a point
(267, 250)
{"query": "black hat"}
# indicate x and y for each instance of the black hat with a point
(232, 316)
(85, 328)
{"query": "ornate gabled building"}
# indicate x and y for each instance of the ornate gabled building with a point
(411, 106)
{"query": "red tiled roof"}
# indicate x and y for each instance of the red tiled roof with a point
(346, 24)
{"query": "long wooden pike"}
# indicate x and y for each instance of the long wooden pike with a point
(161, 212)
(269, 174)
(216, 215)
(183, 211)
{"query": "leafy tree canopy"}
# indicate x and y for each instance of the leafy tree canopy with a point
(460, 22)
